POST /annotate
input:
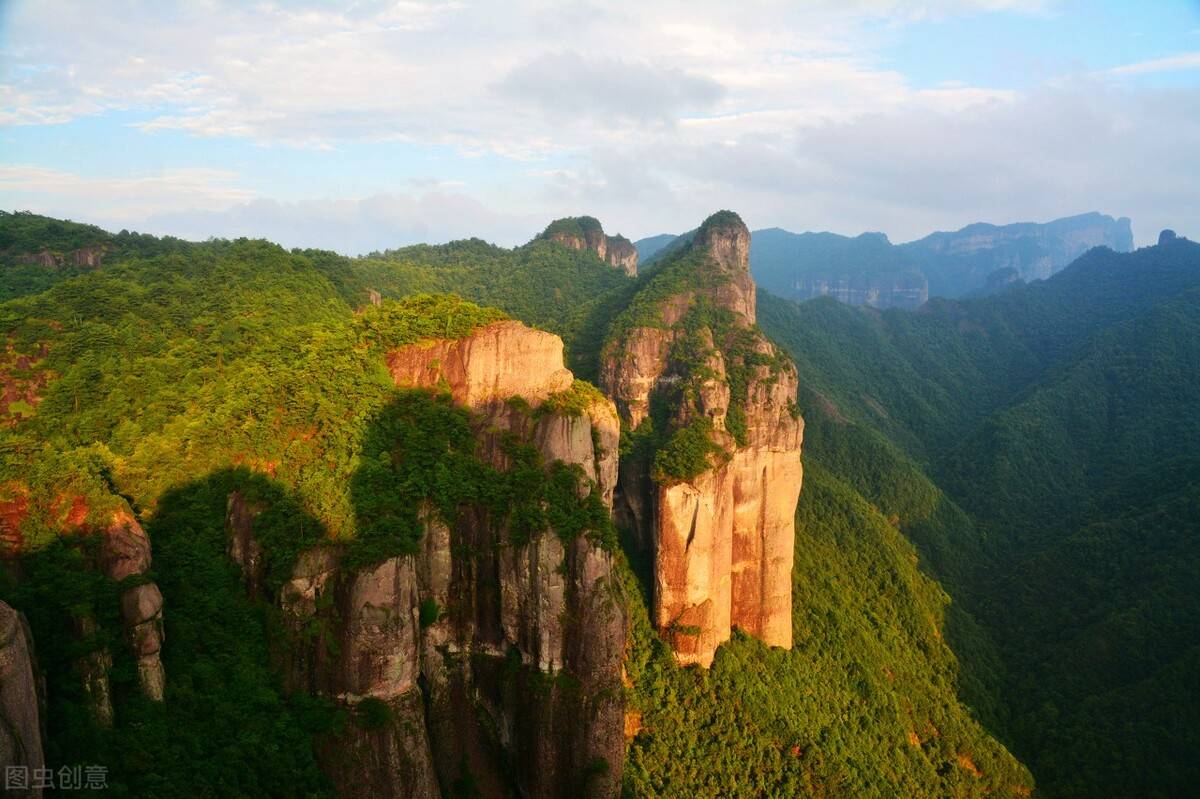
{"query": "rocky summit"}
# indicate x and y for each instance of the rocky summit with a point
(712, 486)
(586, 233)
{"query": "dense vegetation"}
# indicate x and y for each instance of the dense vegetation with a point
(1035, 452)
(22, 232)
(577, 226)
(866, 702)
(863, 705)
(163, 382)
(541, 283)
(709, 346)
(1059, 422)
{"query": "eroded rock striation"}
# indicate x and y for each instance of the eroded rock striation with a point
(713, 475)
(586, 233)
(20, 699)
(484, 658)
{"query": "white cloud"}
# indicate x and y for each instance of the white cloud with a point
(116, 201)
(647, 115)
(909, 170)
(501, 77)
(608, 90)
(1168, 64)
(355, 226)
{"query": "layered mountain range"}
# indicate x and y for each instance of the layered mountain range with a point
(870, 270)
(282, 523)
(476, 635)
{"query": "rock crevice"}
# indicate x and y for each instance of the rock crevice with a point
(721, 531)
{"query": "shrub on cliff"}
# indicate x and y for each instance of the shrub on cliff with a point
(688, 453)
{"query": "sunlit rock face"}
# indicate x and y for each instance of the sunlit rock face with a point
(483, 659)
(722, 540)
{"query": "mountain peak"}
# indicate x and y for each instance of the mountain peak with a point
(586, 233)
(727, 239)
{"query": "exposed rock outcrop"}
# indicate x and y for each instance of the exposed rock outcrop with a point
(502, 360)
(90, 257)
(122, 554)
(586, 233)
(242, 546)
(93, 668)
(20, 700)
(125, 554)
(479, 660)
(909, 290)
(722, 529)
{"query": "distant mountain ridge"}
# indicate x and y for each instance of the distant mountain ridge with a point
(651, 245)
(1057, 421)
(958, 262)
(868, 269)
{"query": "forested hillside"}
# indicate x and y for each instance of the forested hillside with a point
(997, 533)
(1054, 430)
(171, 374)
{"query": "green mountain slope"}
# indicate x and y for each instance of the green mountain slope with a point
(865, 704)
(169, 375)
(1059, 421)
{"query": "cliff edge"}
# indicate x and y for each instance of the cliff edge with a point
(712, 472)
(490, 656)
(586, 233)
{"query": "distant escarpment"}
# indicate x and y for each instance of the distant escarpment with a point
(864, 270)
(586, 233)
(870, 270)
(711, 473)
(958, 262)
(484, 654)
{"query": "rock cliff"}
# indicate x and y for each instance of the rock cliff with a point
(122, 554)
(586, 233)
(713, 474)
(863, 270)
(20, 699)
(482, 659)
(90, 257)
(957, 262)
(125, 555)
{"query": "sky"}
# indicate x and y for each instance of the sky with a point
(367, 125)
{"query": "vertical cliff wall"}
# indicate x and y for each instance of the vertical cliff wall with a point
(586, 233)
(20, 711)
(490, 658)
(713, 473)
